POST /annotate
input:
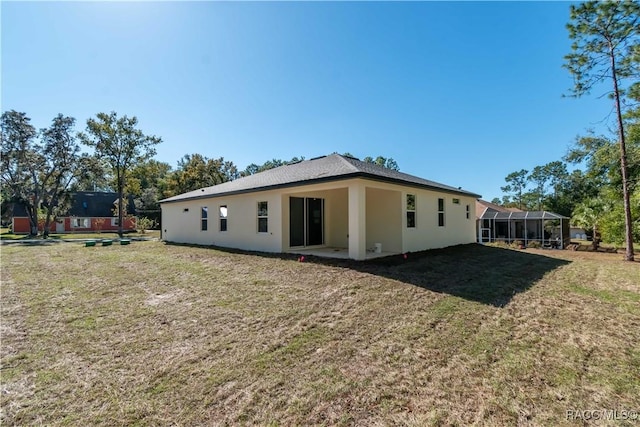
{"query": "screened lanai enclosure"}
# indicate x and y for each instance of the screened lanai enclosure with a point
(547, 228)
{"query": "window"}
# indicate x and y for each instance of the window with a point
(80, 223)
(203, 218)
(223, 217)
(411, 211)
(263, 217)
(456, 201)
(114, 221)
(468, 211)
(441, 212)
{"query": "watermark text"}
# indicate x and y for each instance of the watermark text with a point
(602, 414)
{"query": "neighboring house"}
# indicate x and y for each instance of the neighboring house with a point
(89, 211)
(497, 223)
(334, 205)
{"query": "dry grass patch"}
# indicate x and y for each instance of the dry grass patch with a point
(159, 334)
(149, 234)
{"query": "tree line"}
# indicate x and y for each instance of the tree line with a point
(602, 194)
(41, 168)
(591, 194)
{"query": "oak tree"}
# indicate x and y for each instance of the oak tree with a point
(19, 164)
(122, 145)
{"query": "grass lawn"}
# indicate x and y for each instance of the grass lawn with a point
(156, 334)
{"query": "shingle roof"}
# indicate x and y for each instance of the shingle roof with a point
(87, 204)
(96, 204)
(334, 167)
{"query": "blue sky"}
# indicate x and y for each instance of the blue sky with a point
(460, 93)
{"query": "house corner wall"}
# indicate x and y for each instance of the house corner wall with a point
(181, 222)
(428, 234)
(357, 221)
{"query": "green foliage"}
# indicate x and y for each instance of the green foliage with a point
(274, 163)
(253, 168)
(150, 174)
(143, 224)
(612, 225)
(603, 33)
(539, 177)
(556, 190)
(557, 173)
(601, 157)
(589, 215)
(20, 157)
(148, 199)
(605, 49)
(197, 171)
(569, 192)
(121, 144)
(516, 183)
(62, 164)
(37, 174)
(544, 178)
(148, 181)
(97, 175)
(534, 244)
(126, 211)
(388, 163)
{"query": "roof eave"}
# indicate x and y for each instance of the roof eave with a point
(373, 177)
(261, 189)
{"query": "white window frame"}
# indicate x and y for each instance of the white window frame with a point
(204, 218)
(81, 222)
(441, 212)
(223, 217)
(263, 215)
(414, 210)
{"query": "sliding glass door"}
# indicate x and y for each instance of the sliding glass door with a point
(306, 221)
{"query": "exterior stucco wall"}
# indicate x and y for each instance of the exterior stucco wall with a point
(384, 219)
(181, 222)
(358, 212)
(339, 213)
(428, 234)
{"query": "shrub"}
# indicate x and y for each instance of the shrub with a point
(98, 223)
(535, 244)
(499, 244)
(517, 244)
(143, 224)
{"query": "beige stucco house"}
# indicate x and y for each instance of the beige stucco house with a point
(333, 205)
